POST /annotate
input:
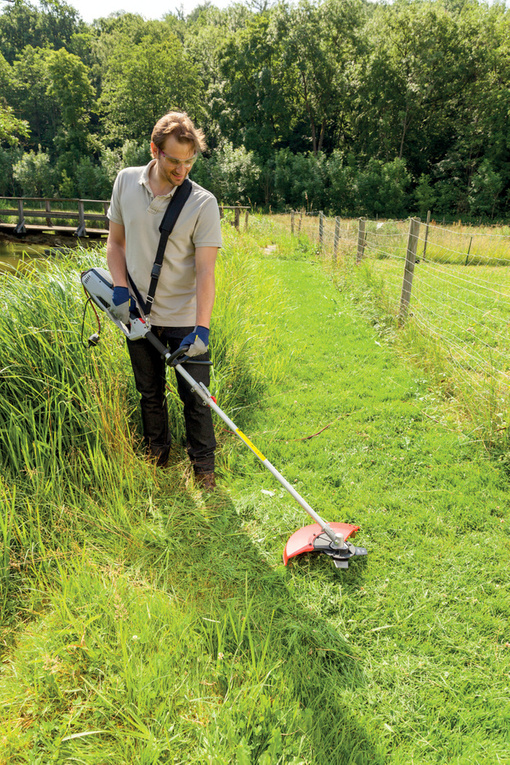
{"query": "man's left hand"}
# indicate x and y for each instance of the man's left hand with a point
(198, 341)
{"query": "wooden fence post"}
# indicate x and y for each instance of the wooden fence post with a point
(47, 207)
(336, 239)
(407, 284)
(361, 241)
(81, 231)
(321, 229)
(106, 205)
(237, 213)
(299, 224)
(246, 216)
(20, 228)
(292, 223)
(426, 235)
(469, 250)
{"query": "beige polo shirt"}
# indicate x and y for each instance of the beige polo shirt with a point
(134, 206)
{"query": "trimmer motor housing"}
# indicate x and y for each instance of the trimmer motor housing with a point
(98, 284)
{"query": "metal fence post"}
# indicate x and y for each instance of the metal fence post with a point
(361, 240)
(407, 284)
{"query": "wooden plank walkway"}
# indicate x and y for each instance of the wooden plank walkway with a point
(10, 228)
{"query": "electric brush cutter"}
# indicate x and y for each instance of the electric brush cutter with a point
(319, 537)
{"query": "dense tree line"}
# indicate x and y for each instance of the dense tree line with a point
(343, 105)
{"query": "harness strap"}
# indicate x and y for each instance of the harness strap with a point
(172, 212)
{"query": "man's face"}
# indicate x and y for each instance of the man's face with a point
(171, 158)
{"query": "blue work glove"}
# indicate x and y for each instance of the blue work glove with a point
(198, 341)
(122, 303)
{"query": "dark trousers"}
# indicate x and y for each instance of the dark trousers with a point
(150, 376)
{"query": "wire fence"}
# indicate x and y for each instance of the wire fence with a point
(448, 290)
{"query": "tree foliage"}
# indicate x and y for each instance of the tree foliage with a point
(357, 108)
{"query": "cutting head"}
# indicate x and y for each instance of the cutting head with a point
(312, 539)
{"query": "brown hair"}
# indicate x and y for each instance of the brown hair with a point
(179, 125)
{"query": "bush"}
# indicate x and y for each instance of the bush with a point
(91, 180)
(132, 154)
(382, 189)
(300, 180)
(425, 196)
(486, 186)
(341, 179)
(230, 174)
(35, 174)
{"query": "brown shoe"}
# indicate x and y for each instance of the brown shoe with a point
(206, 481)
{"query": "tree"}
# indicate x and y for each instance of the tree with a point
(8, 158)
(486, 186)
(318, 43)
(28, 96)
(11, 128)
(143, 81)
(425, 195)
(250, 102)
(51, 25)
(70, 88)
(382, 189)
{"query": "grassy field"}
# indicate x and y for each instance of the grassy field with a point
(146, 622)
(455, 244)
(456, 325)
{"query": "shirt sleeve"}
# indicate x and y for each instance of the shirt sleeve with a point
(207, 231)
(114, 212)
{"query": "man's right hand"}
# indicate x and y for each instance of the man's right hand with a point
(120, 304)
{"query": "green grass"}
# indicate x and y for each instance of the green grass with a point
(457, 321)
(146, 622)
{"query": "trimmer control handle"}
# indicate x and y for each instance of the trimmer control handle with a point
(177, 355)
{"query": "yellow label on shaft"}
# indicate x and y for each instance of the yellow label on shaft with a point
(249, 443)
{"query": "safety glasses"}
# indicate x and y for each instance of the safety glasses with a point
(177, 162)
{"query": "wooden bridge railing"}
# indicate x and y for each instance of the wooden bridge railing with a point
(24, 210)
(25, 207)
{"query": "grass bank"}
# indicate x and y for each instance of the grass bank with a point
(147, 622)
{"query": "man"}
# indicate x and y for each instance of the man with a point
(184, 297)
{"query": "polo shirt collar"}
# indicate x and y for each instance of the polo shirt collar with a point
(144, 181)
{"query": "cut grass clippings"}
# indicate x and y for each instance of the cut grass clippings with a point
(147, 622)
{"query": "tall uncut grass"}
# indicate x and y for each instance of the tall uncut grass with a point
(81, 518)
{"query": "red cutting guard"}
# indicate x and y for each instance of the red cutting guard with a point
(302, 539)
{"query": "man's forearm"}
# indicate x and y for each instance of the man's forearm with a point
(205, 298)
(116, 259)
(205, 258)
